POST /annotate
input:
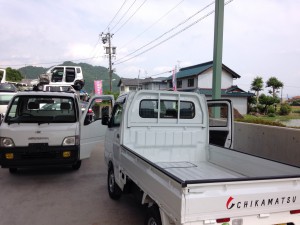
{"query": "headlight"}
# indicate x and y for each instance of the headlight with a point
(73, 140)
(6, 142)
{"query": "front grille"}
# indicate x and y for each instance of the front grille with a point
(40, 155)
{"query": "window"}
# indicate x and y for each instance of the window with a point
(132, 88)
(191, 82)
(4, 99)
(116, 115)
(187, 110)
(57, 74)
(122, 88)
(168, 109)
(42, 109)
(179, 84)
(70, 74)
(218, 115)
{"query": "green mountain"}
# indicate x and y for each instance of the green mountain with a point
(90, 73)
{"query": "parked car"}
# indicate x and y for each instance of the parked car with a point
(7, 91)
(48, 128)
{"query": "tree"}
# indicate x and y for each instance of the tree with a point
(275, 84)
(13, 75)
(267, 101)
(257, 86)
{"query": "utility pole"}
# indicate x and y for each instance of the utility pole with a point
(110, 52)
(218, 49)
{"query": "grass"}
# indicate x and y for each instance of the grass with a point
(260, 120)
(272, 121)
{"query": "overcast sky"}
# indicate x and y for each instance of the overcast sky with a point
(261, 37)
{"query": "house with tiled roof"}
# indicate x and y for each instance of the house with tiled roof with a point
(198, 78)
(128, 84)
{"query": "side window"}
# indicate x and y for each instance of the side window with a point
(70, 74)
(218, 115)
(116, 115)
(57, 74)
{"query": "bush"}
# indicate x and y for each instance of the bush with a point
(271, 109)
(271, 115)
(296, 102)
(285, 109)
(261, 108)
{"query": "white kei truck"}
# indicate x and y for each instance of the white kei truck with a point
(167, 148)
(42, 128)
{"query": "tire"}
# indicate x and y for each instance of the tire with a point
(76, 165)
(78, 85)
(114, 190)
(13, 170)
(153, 216)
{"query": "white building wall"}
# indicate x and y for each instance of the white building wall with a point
(239, 103)
(205, 79)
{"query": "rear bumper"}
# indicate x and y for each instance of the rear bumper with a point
(42, 156)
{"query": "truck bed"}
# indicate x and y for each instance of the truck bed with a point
(198, 170)
(219, 165)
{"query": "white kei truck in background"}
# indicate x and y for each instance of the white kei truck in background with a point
(43, 128)
(167, 148)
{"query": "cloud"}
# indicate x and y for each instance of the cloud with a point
(260, 37)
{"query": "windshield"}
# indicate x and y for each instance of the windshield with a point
(41, 109)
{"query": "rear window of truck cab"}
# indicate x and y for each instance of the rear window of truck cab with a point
(168, 109)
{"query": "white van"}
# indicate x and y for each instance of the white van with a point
(48, 128)
(70, 75)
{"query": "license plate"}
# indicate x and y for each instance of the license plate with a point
(37, 147)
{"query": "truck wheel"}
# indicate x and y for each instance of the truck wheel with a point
(13, 170)
(76, 165)
(153, 216)
(114, 190)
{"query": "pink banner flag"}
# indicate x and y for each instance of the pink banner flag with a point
(174, 80)
(98, 87)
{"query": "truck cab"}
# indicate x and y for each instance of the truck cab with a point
(48, 128)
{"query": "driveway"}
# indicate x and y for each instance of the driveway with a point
(61, 196)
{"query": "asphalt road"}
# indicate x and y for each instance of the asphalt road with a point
(61, 196)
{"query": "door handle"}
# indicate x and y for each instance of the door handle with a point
(118, 136)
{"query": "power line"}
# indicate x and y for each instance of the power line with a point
(178, 25)
(187, 27)
(158, 74)
(115, 15)
(130, 16)
(153, 24)
(95, 46)
(124, 15)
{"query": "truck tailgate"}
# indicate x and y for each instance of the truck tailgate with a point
(240, 199)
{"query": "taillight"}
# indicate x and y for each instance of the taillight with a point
(297, 211)
(223, 220)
